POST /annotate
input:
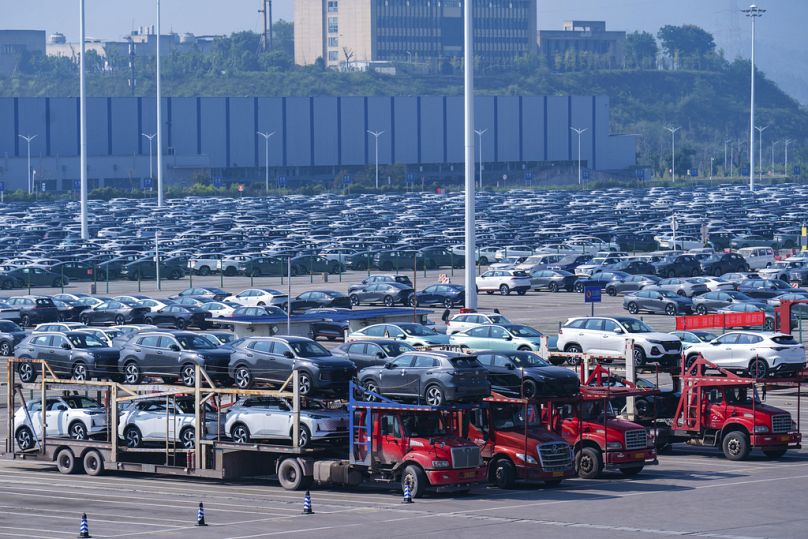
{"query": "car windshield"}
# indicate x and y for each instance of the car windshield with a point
(705, 336)
(417, 329)
(309, 349)
(523, 331)
(85, 341)
(81, 402)
(499, 319)
(668, 294)
(423, 425)
(529, 360)
(8, 325)
(633, 325)
(396, 348)
(593, 410)
(195, 342)
(512, 417)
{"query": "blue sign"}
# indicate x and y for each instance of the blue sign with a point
(585, 174)
(76, 185)
(745, 171)
(592, 294)
(147, 183)
(797, 170)
(282, 181)
(2, 186)
(410, 177)
(694, 172)
(528, 175)
(346, 179)
(217, 182)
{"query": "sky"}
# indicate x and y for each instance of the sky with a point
(781, 39)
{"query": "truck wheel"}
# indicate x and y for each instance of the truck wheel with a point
(630, 471)
(736, 445)
(504, 474)
(415, 477)
(587, 461)
(291, 475)
(66, 462)
(775, 453)
(93, 463)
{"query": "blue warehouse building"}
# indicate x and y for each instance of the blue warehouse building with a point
(314, 136)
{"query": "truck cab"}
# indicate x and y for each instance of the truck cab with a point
(515, 445)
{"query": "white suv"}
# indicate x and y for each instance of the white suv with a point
(757, 352)
(463, 321)
(73, 416)
(607, 336)
(503, 281)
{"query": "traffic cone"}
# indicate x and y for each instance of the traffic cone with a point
(84, 528)
(407, 493)
(200, 515)
(307, 504)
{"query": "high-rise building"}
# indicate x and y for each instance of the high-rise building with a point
(345, 31)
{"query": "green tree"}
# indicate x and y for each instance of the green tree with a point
(689, 41)
(641, 50)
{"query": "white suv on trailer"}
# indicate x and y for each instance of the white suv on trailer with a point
(757, 352)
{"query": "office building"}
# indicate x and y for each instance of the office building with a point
(583, 40)
(15, 43)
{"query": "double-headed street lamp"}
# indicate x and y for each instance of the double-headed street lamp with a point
(150, 137)
(28, 140)
(579, 132)
(266, 135)
(376, 135)
(673, 131)
(754, 13)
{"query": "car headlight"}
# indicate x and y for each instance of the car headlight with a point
(761, 428)
(614, 445)
(440, 463)
(526, 458)
(653, 342)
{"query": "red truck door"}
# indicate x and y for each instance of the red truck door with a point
(714, 412)
(391, 446)
(478, 431)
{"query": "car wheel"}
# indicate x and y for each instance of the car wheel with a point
(483, 261)
(670, 274)
(415, 477)
(388, 301)
(204, 270)
(370, 385)
(354, 299)
(93, 463)
(175, 275)
(529, 389)
(180, 323)
(413, 301)
(132, 437)
(26, 372)
(79, 372)
(611, 291)
(131, 373)
(243, 378)
(670, 309)
(553, 287)
(230, 271)
(303, 437)
(758, 368)
(504, 290)
(638, 354)
(120, 320)
(573, 349)
(434, 395)
(188, 375)
(7, 285)
(768, 324)
(524, 348)
(448, 303)
(504, 474)
(717, 272)
(66, 462)
(188, 437)
(84, 319)
(56, 283)
(304, 383)
(690, 360)
(25, 320)
(701, 309)
(25, 438)
(695, 273)
(291, 475)
(5, 348)
(77, 430)
(521, 291)
(579, 287)
(736, 445)
(632, 308)
(62, 316)
(588, 463)
(240, 434)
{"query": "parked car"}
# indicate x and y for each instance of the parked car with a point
(435, 378)
(266, 418)
(446, 295)
(310, 264)
(366, 353)
(759, 354)
(10, 335)
(713, 301)
(377, 279)
(601, 279)
(757, 257)
(504, 282)
(259, 266)
(72, 354)
(115, 312)
(678, 266)
(523, 373)
(714, 283)
(73, 416)
(769, 316)
(787, 296)
(34, 309)
(683, 287)
(749, 240)
(173, 268)
(330, 327)
(552, 280)
(314, 299)
(34, 276)
(765, 288)
(689, 338)
(498, 337)
(159, 420)
(630, 284)
(634, 267)
(220, 309)
(411, 333)
(272, 359)
(257, 297)
(464, 321)
(657, 302)
(204, 293)
(783, 269)
(179, 316)
(720, 264)
(388, 294)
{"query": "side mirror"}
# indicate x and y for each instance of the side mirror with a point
(288, 354)
(66, 346)
(174, 348)
(389, 365)
(402, 337)
(618, 331)
(380, 355)
(61, 408)
(508, 338)
(715, 343)
(510, 366)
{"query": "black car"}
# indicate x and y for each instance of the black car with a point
(72, 354)
(35, 309)
(203, 293)
(632, 283)
(372, 352)
(635, 267)
(388, 294)
(328, 327)
(765, 288)
(601, 280)
(432, 377)
(179, 316)
(114, 312)
(77, 271)
(320, 298)
(70, 310)
(10, 335)
(170, 268)
(724, 263)
(712, 301)
(446, 295)
(263, 265)
(527, 375)
(570, 262)
(553, 280)
(171, 356)
(35, 276)
(272, 359)
(678, 266)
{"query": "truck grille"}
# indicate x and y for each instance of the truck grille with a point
(670, 346)
(555, 457)
(465, 457)
(636, 439)
(781, 423)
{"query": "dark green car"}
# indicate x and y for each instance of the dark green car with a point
(170, 268)
(306, 264)
(263, 265)
(33, 276)
(440, 257)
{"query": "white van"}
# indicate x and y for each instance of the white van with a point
(757, 257)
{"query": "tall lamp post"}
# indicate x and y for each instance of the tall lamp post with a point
(266, 136)
(82, 127)
(786, 142)
(774, 144)
(28, 140)
(673, 131)
(159, 119)
(376, 135)
(480, 133)
(760, 150)
(754, 13)
(579, 132)
(150, 137)
(468, 143)
(725, 155)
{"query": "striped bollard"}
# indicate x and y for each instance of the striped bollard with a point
(407, 493)
(200, 515)
(307, 504)
(84, 528)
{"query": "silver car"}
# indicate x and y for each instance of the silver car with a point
(266, 418)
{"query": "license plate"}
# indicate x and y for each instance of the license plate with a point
(639, 455)
(468, 475)
(784, 438)
(558, 474)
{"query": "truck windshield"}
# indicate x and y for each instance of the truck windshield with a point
(512, 417)
(423, 425)
(740, 395)
(593, 410)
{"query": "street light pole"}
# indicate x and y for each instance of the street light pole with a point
(725, 155)
(760, 150)
(150, 137)
(82, 126)
(785, 163)
(579, 132)
(775, 143)
(266, 136)
(376, 135)
(28, 140)
(752, 12)
(159, 119)
(673, 131)
(468, 140)
(480, 133)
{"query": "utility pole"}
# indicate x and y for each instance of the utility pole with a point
(266, 136)
(785, 163)
(725, 154)
(82, 126)
(673, 131)
(376, 135)
(159, 119)
(266, 15)
(760, 150)
(752, 12)
(468, 140)
(579, 132)
(712, 160)
(480, 133)
(775, 143)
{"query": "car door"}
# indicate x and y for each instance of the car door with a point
(486, 281)
(282, 365)
(274, 419)
(721, 352)
(655, 301)
(391, 380)
(168, 352)
(504, 373)
(56, 413)
(590, 336)
(151, 354)
(478, 338)
(498, 339)
(613, 343)
(360, 355)
(264, 361)
(59, 357)
(415, 376)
